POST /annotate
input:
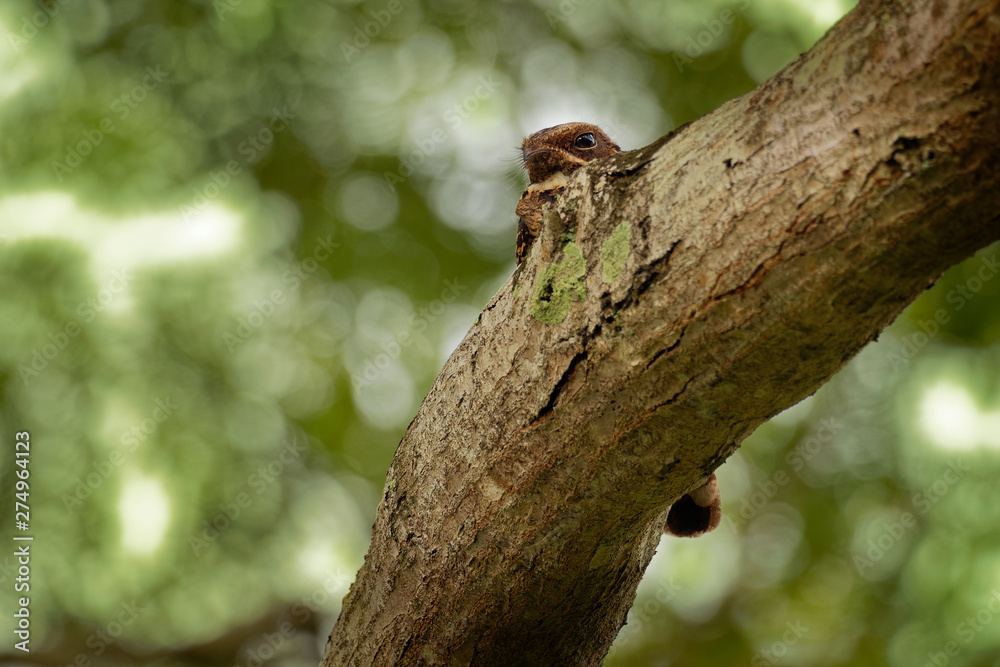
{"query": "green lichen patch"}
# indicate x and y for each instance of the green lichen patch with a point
(615, 251)
(559, 286)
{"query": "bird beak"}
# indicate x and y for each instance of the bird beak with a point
(526, 155)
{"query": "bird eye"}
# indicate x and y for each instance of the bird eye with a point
(585, 141)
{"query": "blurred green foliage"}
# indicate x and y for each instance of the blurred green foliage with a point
(238, 238)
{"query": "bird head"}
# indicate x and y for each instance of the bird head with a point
(564, 148)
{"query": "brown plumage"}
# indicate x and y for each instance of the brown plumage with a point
(551, 156)
(697, 512)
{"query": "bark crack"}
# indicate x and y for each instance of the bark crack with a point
(673, 399)
(667, 350)
(558, 387)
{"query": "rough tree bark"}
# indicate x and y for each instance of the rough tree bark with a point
(711, 280)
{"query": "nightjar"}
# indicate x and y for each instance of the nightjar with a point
(551, 156)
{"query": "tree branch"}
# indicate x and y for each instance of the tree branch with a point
(714, 278)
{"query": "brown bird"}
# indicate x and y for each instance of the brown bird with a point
(551, 156)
